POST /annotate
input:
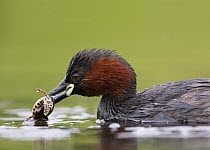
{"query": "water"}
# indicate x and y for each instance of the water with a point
(74, 128)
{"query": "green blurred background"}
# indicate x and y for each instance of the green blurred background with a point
(164, 40)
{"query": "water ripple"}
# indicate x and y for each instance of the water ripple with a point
(28, 133)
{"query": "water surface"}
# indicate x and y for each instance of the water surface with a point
(74, 128)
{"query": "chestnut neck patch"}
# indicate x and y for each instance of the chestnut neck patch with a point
(107, 76)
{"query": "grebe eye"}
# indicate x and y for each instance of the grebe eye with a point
(75, 77)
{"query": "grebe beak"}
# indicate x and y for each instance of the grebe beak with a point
(60, 88)
(64, 88)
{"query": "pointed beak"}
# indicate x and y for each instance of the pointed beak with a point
(60, 88)
(64, 88)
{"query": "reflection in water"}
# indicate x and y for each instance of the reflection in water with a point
(63, 132)
(43, 145)
(155, 138)
(109, 140)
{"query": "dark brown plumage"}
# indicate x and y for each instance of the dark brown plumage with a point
(102, 72)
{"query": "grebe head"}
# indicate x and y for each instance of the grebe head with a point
(98, 72)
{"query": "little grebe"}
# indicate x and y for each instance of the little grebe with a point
(103, 72)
